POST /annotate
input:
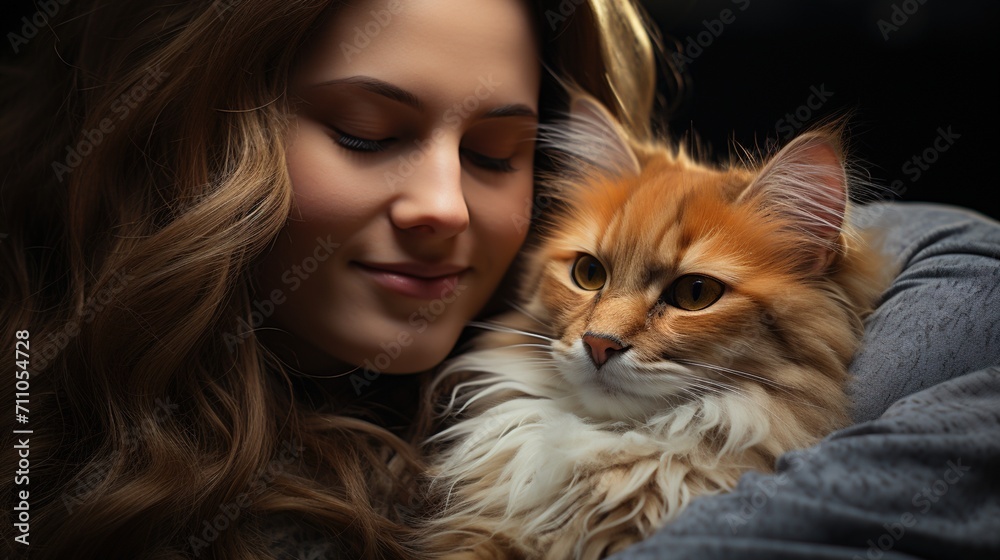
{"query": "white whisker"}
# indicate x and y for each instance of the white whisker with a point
(756, 378)
(530, 345)
(505, 329)
(744, 374)
(525, 312)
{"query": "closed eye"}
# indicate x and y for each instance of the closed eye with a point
(358, 144)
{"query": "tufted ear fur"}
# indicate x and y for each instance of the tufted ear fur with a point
(805, 186)
(590, 139)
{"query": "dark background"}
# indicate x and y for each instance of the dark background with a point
(936, 70)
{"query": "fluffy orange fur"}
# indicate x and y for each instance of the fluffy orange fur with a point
(556, 450)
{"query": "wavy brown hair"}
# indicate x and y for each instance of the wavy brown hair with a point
(144, 176)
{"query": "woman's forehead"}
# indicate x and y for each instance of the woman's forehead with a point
(440, 50)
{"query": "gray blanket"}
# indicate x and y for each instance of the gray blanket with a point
(922, 481)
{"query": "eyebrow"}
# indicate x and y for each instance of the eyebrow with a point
(399, 94)
(511, 110)
(376, 86)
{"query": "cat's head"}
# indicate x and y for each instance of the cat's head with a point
(663, 279)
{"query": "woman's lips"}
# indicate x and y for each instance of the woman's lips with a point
(414, 280)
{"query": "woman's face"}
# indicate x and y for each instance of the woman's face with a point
(411, 166)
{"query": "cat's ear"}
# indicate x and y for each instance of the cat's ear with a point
(805, 185)
(591, 138)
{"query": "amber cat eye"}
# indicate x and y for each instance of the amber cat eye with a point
(693, 292)
(588, 273)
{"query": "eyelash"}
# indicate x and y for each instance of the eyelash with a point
(356, 144)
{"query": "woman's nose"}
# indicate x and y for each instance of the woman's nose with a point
(431, 199)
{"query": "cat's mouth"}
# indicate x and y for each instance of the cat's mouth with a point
(612, 379)
(622, 387)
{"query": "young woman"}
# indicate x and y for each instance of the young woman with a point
(187, 179)
(232, 228)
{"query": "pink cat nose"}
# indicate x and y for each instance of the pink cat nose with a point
(602, 347)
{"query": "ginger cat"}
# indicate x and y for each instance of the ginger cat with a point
(678, 325)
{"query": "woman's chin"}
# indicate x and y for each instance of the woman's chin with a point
(409, 352)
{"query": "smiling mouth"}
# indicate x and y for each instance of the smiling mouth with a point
(414, 280)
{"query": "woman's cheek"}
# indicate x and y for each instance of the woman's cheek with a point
(519, 210)
(507, 202)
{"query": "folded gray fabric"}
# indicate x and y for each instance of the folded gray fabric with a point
(922, 481)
